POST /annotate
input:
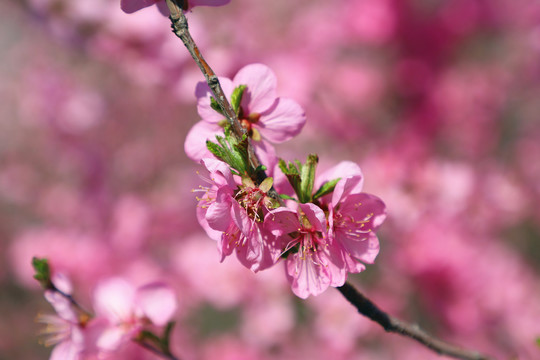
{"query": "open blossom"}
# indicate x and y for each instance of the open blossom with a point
(128, 309)
(354, 216)
(130, 6)
(266, 117)
(326, 240)
(232, 213)
(64, 330)
(313, 262)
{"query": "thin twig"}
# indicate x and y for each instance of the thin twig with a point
(364, 305)
(391, 324)
(180, 28)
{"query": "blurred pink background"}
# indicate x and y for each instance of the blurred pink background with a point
(437, 101)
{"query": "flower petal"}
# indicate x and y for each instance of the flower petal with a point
(261, 87)
(346, 186)
(195, 144)
(315, 215)
(282, 121)
(342, 170)
(282, 221)
(130, 6)
(157, 301)
(306, 277)
(218, 215)
(66, 350)
(114, 299)
(193, 3)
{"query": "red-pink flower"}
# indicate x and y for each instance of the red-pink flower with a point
(232, 213)
(128, 309)
(130, 6)
(63, 330)
(353, 216)
(70, 330)
(267, 117)
(313, 262)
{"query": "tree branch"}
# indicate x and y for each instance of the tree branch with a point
(391, 324)
(364, 305)
(180, 28)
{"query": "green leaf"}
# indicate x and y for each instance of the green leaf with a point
(292, 173)
(538, 341)
(326, 188)
(42, 272)
(287, 197)
(214, 105)
(231, 151)
(236, 98)
(308, 178)
(216, 150)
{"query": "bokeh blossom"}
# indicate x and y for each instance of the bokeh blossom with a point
(63, 330)
(128, 309)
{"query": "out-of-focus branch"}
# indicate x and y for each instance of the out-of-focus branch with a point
(391, 324)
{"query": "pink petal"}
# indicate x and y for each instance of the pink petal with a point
(281, 122)
(261, 87)
(66, 350)
(282, 221)
(195, 144)
(163, 8)
(201, 210)
(193, 3)
(114, 299)
(61, 305)
(112, 338)
(267, 155)
(315, 216)
(130, 6)
(346, 186)
(157, 301)
(365, 250)
(203, 94)
(342, 170)
(62, 283)
(306, 278)
(220, 172)
(218, 215)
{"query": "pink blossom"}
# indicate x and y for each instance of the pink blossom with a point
(233, 213)
(314, 262)
(353, 216)
(130, 6)
(267, 117)
(63, 330)
(129, 309)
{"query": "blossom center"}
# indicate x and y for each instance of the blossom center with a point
(252, 199)
(248, 119)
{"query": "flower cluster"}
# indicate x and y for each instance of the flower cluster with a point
(325, 232)
(123, 314)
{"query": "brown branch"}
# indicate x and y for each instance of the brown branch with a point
(391, 324)
(180, 28)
